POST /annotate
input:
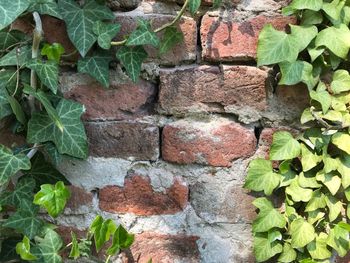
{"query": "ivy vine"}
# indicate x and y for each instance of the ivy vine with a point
(311, 170)
(33, 106)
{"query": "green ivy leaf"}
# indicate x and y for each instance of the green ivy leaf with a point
(80, 22)
(336, 39)
(105, 33)
(323, 97)
(50, 247)
(341, 81)
(72, 140)
(121, 240)
(11, 163)
(344, 170)
(10, 10)
(52, 197)
(5, 107)
(333, 9)
(316, 216)
(45, 7)
(170, 38)
(263, 249)
(53, 52)
(17, 109)
(308, 180)
(302, 233)
(318, 248)
(318, 200)
(74, 252)
(102, 230)
(331, 180)
(276, 46)
(132, 58)
(47, 72)
(194, 5)
(338, 238)
(7, 39)
(309, 159)
(143, 35)
(23, 249)
(335, 207)
(288, 254)
(298, 193)
(284, 146)
(97, 67)
(261, 177)
(16, 56)
(314, 5)
(23, 191)
(342, 141)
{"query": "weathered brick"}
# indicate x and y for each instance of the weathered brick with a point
(138, 197)
(232, 41)
(80, 201)
(184, 51)
(136, 141)
(118, 102)
(216, 142)
(9, 139)
(207, 88)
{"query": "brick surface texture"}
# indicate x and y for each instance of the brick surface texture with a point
(168, 154)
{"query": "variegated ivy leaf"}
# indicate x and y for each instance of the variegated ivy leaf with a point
(318, 248)
(264, 249)
(298, 193)
(5, 107)
(342, 141)
(338, 238)
(23, 191)
(309, 159)
(105, 33)
(341, 81)
(314, 5)
(80, 22)
(318, 200)
(132, 58)
(45, 7)
(194, 5)
(47, 72)
(72, 140)
(16, 56)
(335, 207)
(276, 46)
(331, 180)
(323, 97)
(308, 180)
(261, 177)
(7, 39)
(344, 170)
(288, 254)
(143, 35)
(50, 247)
(284, 146)
(11, 163)
(97, 67)
(10, 10)
(170, 38)
(302, 233)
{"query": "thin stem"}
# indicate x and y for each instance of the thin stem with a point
(108, 258)
(17, 75)
(118, 43)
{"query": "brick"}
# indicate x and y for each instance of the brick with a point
(9, 139)
(233, 41)
(119, 102)
(207, 88)
(80, 201)
(136, 141)
(184, 51)
(138, 197)
(216, 142)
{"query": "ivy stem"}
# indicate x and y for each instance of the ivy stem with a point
(108, 258)
(118, 43)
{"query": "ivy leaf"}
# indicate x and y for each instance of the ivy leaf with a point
(284, 146)
(74, 252)
(45, 7)
(341, 81)
(335, 206)
(53, 52)
(311, 18)
(10, 10)
(268, 217)
(23, 191)
(121, 240)
(105, 33)
(47, 72)
(276, 46)
(194, 5)
(50, 247)
(309, 159)
(330, 180)
(17, 109)
(11, 163)
(23, 249)
(10, 38)
(315, 216)
(338, 239)
(318, 200)
(288, 254)
(342, 141)
(336, 39)
(132, 58)
(318, 248)
(25, 220)
(170, 38)
(42, 97)
(16, 56)
(323, 97)
(97, 67)
(314, 5)
(80, 22)
(5, 107)
(72, 140)
(102, 230)
(261, 177)
(299, 193)
(308, 180)
(52, 197)
(263, 249)
(330, 164)
(143, 35)
(302, 233)
(333, 9)
(344, 170)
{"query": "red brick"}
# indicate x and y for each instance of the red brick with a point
(206, 88)
(79, 198)
(138, 197)
(165, 248)
(232, 41)
(184, 51)
(216, 142)
(9, 139)
(137, 141)
(118, 102)
(345, 259)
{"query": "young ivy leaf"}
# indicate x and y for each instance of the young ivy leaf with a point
(170, 38)
(97, 67)
(50, 247)
(23, 249)
(53, 52)
(194, 5)
(10, 10)
(121, 240)
(284, 146)
(72, 140)
(10, 164)
(74, 252)
(80, 22)
(102, 230)
(105, 33)
(143, 35)
(52, 197)
(132, 58)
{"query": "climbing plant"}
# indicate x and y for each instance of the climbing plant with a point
(311, 170)
(32, 105)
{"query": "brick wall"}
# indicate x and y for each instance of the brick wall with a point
(168, 155)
